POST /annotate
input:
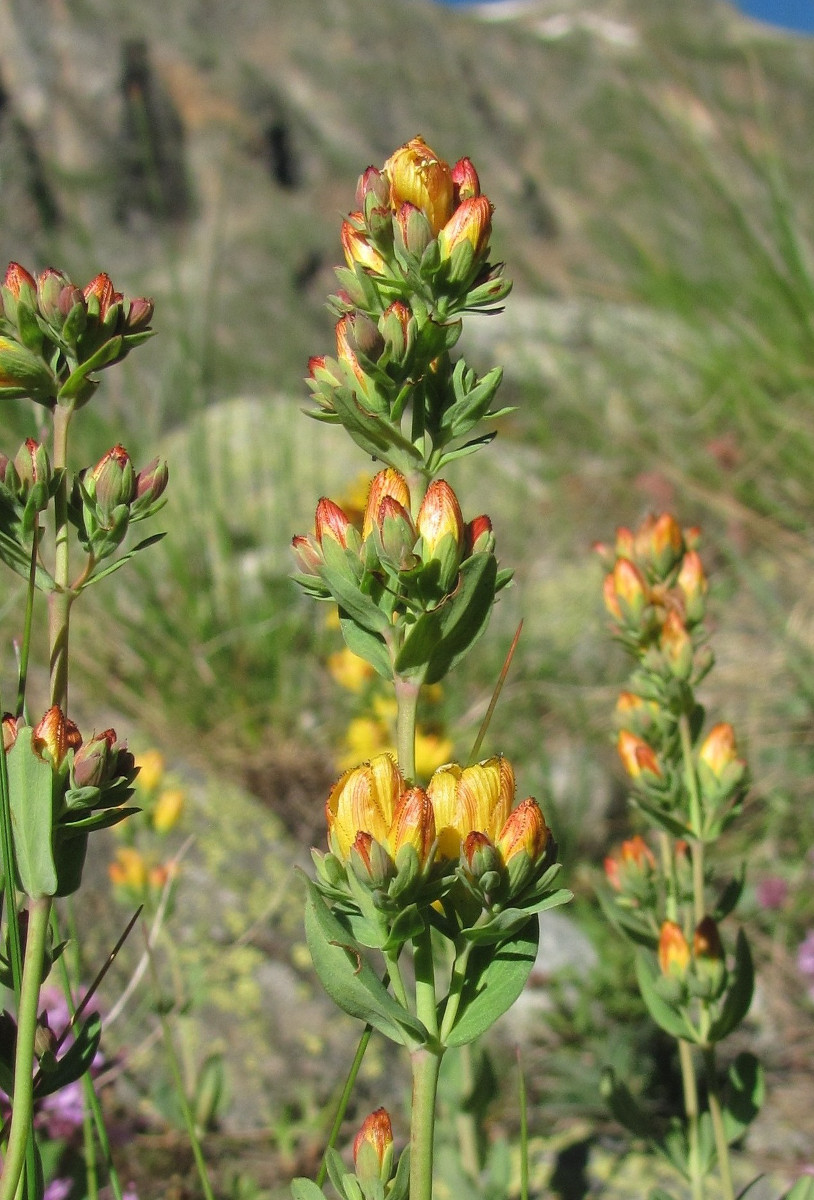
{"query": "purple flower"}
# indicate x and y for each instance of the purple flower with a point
(58, 1189)
(772, 892)
(805, 960)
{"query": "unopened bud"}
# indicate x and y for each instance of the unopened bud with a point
(372, 183)
(465, 182)
(638, 758)
(54, 736)
(387, 483)
(357, 246)
(330, 521)
(478, 536)
(9, 731)
(660, 543)
(151, 482)
(626, 592)
(417, 176)
(373, 1148)
(50, 286)
(102, 299)
(394, 326)
(139, 314)
(23, 373)
(693, 584)
(471, 223)
(112, 481)
(676, 646)
(93, 761)
(413, 824)
(673, 951)
(414, 229)
(440, 525)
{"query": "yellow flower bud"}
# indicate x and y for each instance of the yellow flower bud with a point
(388, 482)
(524, 831)
(673, 952)
(413, 824)
(468, 799)
(417, 176)
(637, 756)
(363, 799)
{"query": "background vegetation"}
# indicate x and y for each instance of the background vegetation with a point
(652, 170)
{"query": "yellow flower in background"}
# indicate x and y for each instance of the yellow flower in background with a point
(431, 752)
(364, 737)
(354, 499)
(349, 670)
(151, 767)
(129, 869)
(168, 809)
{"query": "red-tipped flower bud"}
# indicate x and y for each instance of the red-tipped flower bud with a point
(471, 222)
(54, 736)
(357, 246)
(413, 825)
(440, 525)
(676, 646)
(465, 182)
(478, 536)
(388, 482)
(638, 758)
(112, 481)
(673, 952)
(330, 521)
(373, 1148)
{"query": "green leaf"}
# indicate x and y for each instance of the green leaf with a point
(367, 645)
(31, 783)
(105, 355)
(665, 1016)
(494, 980)
(743, 1095)
(730, 896)
(739, 995)
(148, 541)
(349, 979)
(440, 638)
(400, 1187)
(305, 1189)
(75, 1061)
(509, 920)
(624, 1108)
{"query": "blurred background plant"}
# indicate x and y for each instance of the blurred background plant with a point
(653, 172)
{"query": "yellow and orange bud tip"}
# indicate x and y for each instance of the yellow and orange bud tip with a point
(376, 1131)
(357, 248)
(102, 290)
(636, 755)
(636, 851)
(55, 735)
(706, 942)
(691, 577)
(664, 538)
(440, 514)
(676, 645)
(363, 799)
(471, 222)
(625, 544)
(17, 279)
(630, 585)
(331, 521)
(525, 830)
(465, 182)
(388, 482)
(612, 872)
(719, 748)
(418, 176)
(673, 951)
(413, 824)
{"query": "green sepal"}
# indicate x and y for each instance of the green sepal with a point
(494, 979)
(408, 923)
(76, 1060)
(342, 575)
(629, 922)
(739, 995)
(366, 644)
(74, 386)
(349, 979)
(743, 1095)
(31, 785)
(338, 1173)
(665, 1016)
(509, 920)
(400, 1186)
(440, 638)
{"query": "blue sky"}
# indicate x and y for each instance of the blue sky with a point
(791, 14)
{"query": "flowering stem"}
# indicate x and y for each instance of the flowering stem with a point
(426, 1063)
(59, 601)
(691, 1111)
(695, 819)
(39, 914)
(721, 1140)
(407, 701)
(25, 648)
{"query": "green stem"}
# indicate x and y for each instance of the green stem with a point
(691, 779)
(407, 700)
(692, 1115)
(25, 648)
(468, 1141)
(715, 1111)
(344, 1100)
(39, 914)
(426, 1064)
(60, 600)
(668, 871)
(456, 985)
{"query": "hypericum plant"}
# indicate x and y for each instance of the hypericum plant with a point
(61, 529)
(455, 874)
(689, 784)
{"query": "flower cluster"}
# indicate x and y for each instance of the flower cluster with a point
(74, 787)
(655, 593)
(416, 251)
(688, 783)
(461, 841)
(393, 574)
(54, 335)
